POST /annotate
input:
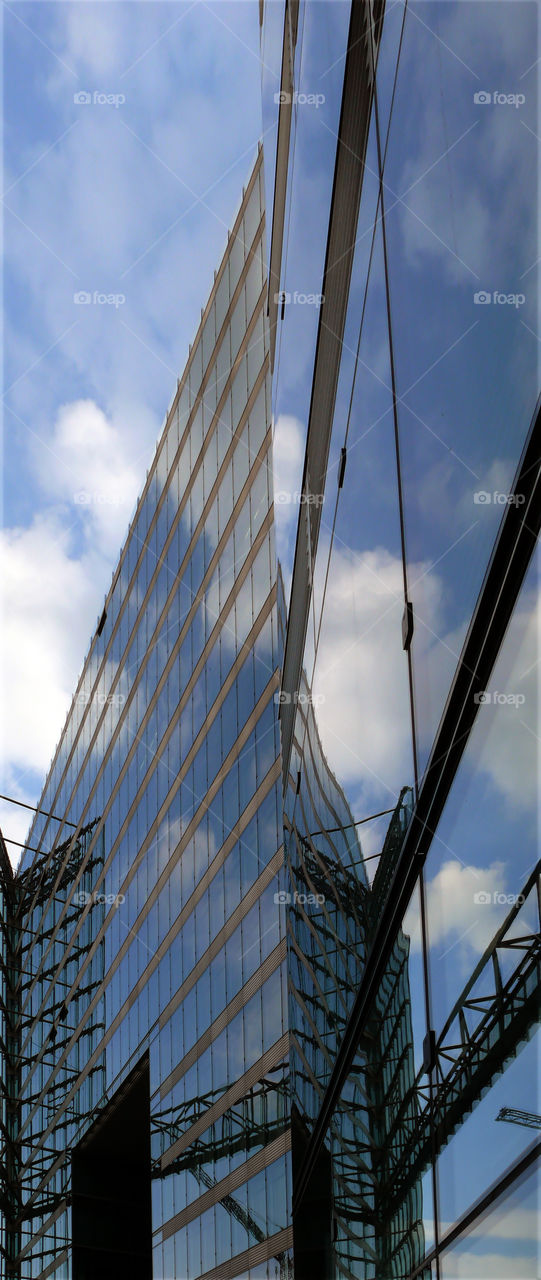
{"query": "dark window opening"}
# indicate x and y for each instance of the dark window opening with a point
(112, 1229)
(312, 1218)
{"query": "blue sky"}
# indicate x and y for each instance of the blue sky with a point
(129, 199)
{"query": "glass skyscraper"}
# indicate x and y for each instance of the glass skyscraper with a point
(270, 963)
(151, 948)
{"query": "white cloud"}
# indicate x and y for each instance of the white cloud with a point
(95, 39)
(464, 1265)
(288, 460)
(496, 479)
(515, 1224)
(93, 469)
(55, 573)
(288, 455)
(361, 672)
(451, 909)
(49, 609)
(509, 1223)
(455, 918)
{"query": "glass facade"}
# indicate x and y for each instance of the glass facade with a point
(270, 975)
(8, 1068)
(148, 922)
(412, 907)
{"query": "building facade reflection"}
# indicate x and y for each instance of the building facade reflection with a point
(367, 1226)
(409, 677)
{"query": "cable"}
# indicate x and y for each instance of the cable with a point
(33, 807)
(327, 831)
(25, 846)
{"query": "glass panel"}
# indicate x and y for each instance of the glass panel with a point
(463, 297)
(503, 1243)
(359, 685)
(496, 1134)
(375, 1128)
(482, 915)
(486, 845)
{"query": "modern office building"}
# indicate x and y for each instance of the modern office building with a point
(270, 963)
(151, 1113)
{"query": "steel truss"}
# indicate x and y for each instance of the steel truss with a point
(529, 1119)
(29, 892)
(245, 1126)
(481, 1035)
(411, 1118)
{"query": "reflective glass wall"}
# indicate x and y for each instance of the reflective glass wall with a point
(437, 389)
(151, 926)
(8, 1076)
